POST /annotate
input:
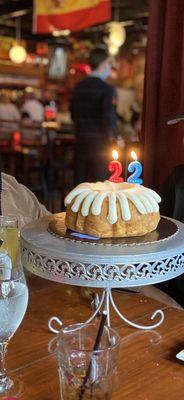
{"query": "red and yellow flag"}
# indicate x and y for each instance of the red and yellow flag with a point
(50, 15)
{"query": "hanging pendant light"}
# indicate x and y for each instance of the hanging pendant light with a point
(17, 52)
(113, 50)
(117, 32)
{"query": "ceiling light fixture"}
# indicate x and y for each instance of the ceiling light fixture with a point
(18, 52)
(117, 32)
(113, 50)
(63, 32)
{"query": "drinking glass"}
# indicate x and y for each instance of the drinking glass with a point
(13, 305)
(9, 235)
(77, 360)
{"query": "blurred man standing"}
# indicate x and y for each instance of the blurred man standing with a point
(94, 116)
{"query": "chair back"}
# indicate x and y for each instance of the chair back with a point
(7, 128)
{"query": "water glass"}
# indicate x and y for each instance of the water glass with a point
(76, 355)
(13, 305)
(9, 235)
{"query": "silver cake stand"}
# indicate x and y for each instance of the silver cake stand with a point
(105, 263)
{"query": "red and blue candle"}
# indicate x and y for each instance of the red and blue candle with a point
(116, 168)
(135, 167)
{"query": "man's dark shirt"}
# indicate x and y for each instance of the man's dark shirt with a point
(93, 109)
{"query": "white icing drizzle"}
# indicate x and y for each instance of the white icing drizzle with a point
(87, 203)
(74, 193)
(153, 194)
(78, 200)
(137, 202)
(112, 216)
(147, 204)
(152, 201)
(97, 203)
(125, 209)
(89, 197)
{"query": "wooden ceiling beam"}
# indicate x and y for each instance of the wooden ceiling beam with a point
(10, 8)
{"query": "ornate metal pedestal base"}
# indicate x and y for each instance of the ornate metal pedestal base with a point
(105, 264)
(104, 304)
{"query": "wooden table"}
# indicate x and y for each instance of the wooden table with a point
(148, 369)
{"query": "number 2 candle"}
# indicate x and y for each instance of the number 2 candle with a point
(135, 167)
(116, 168)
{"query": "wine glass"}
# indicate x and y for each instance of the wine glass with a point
(9, 235)
(13, 305)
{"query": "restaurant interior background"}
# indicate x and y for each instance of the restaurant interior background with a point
(71, 277)
(53, 65)
(41, 154)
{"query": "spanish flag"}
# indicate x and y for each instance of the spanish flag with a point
(50, 15)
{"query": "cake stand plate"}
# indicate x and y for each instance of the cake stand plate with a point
(105, 265)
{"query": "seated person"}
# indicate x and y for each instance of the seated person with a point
(8, 110)
(25, 119)
(33, 107)
(9, 118)
(64, 114)
(31, 132)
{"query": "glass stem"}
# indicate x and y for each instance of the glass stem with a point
(3, 373)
